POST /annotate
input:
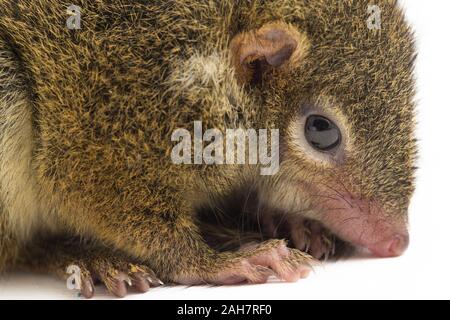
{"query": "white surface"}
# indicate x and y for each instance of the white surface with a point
(423, 272)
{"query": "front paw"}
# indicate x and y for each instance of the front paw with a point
(253, 264)
(304, 234)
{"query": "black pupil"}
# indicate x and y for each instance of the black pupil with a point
(322, 133)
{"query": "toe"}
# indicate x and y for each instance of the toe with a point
(317, 246)
(293, 264)
(143, 277)
(269, 226)
(258, 274)
(87, 287)
(116, 282)
(241, 272)
(287, 264)
(299, 235)
(140, 282)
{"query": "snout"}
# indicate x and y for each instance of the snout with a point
(392, 247)
(366, 224)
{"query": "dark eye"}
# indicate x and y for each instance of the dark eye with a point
(322, 133)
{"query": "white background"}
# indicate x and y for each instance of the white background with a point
(423, 272)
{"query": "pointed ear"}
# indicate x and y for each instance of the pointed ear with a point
(274, 45)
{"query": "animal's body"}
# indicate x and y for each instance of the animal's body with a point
(86, 118)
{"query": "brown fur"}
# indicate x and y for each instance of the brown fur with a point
(102, 102)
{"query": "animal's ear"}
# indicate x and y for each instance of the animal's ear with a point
(274, 45)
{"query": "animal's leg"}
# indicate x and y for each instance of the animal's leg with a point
(174, 249)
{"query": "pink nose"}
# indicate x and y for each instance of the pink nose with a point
(392, 247)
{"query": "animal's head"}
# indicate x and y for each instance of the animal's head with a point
(341, 92)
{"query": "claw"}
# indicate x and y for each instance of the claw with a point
(128, 281)
(154, 282)
(121, 276)
(87, 288)
(116, 287)
(140, 282)
(311, 237)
